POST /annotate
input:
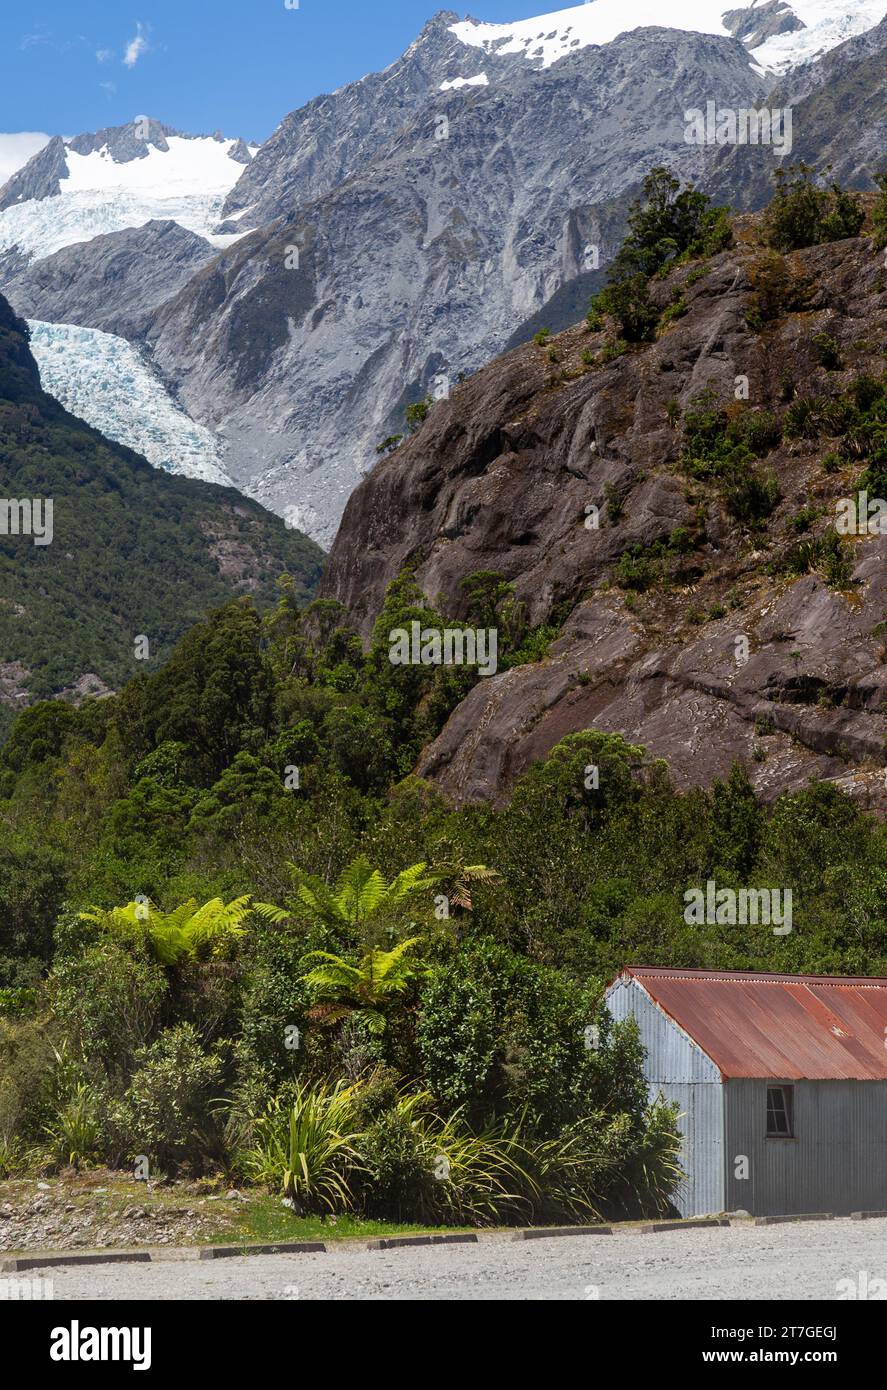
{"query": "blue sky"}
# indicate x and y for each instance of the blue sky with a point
(68, 66)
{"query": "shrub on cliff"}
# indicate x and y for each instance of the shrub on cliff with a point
(803, 213)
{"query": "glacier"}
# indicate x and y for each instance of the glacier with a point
(40, 228)
(107, 382)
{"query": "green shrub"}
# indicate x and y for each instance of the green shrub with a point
(614, 348)
(698, 272)
(498, 1036)
(417, 413)
(308, 1149)
(28, 1064)
(804, 214)
(635, 570)
(760, 430)
(676, 310)
(74, 1136)
(398, 1183)
(628, 302)
(274, 997)
(167, 1111)
(810, 417)
(389, 444)
(826, 555)
(778, 289)
(32, 890)
(804, 519)
(751, 496)
(827, 351)
(866, 391)
(14, 1157)
(109, 1001)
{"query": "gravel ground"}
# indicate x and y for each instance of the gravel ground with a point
(797, 1261)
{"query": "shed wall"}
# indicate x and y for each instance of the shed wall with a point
(679, 1070)
(836, 1161)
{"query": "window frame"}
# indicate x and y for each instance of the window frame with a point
(787, 1098)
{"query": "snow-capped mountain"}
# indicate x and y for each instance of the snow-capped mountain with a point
(94, 232)
(422, 257)
(780, 34)
(74, 190)
(295, 297)
(105, 381)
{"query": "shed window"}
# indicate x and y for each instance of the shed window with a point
(779, 1112)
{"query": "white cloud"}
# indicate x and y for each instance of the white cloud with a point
(136, 47)
(16, 150)
(31, 40)
(104, 55)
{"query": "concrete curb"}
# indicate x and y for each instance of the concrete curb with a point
(694, 1224)
(783, 1220)
(232, 1252)
(18, 1264)
(49, 1261)
(397, 1242)
(549, 1233)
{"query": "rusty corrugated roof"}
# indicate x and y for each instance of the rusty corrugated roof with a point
(788, 1027)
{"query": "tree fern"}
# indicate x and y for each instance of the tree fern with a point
(368, 989)
(189, 932)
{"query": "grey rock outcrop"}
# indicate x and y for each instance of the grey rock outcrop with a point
(112, 282)
(502, 476)
(839, 119)
(39, 178)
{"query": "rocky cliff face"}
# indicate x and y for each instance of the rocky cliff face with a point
(703, 637)
(822, 96)
(111, 282)
(304, 342)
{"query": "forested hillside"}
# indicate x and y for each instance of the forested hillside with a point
(134, 552)
(281, 928)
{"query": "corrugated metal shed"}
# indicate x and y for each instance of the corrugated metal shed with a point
(789, 1027)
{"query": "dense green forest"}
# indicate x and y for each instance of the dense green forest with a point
(234, 928)
(238, 934)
